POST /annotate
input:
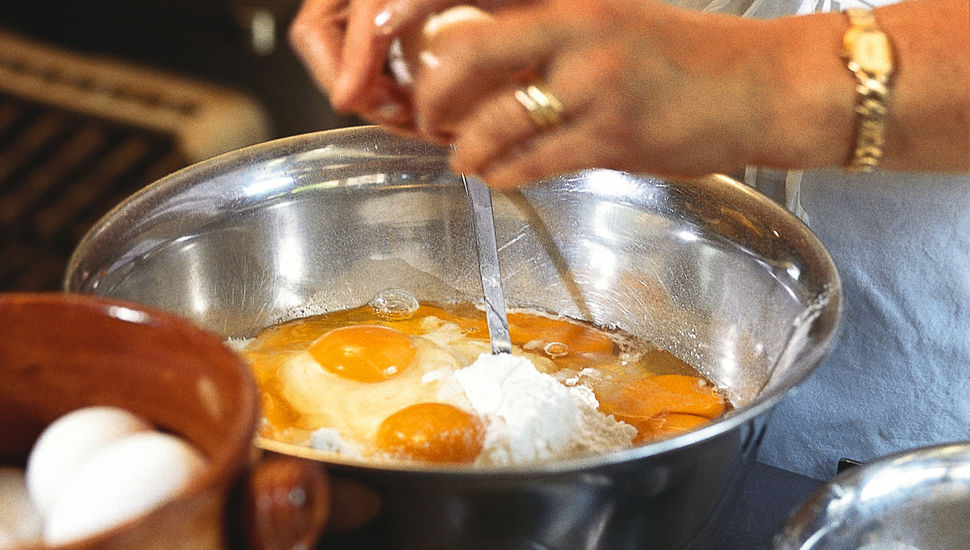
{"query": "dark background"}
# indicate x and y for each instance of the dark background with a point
(207, 39)
(61, 170)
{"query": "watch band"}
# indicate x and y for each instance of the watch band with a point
(869, 57)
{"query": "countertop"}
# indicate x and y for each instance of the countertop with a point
(767, 497)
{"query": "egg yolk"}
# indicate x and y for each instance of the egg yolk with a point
(433, 432)
(545, 332)
(569, 344)
(665, 405)
(366, 353)
(665, 425)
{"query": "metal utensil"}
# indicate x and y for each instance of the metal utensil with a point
(480, 205)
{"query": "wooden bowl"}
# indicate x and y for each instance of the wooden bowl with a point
(61, 352)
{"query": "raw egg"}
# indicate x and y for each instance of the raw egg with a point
(433, 432)
(366, 353)
(666, 405)
(351, 379)
(379, 380)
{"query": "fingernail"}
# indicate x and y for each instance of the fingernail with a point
(380, 21)
(390, 111)
(388, 20)
(421, 124)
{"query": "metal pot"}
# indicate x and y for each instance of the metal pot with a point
(912, 500)
(710, 269)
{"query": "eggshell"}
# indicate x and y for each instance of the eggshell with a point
(20, 523)
(67, 443)
(415, 49)
(122, 480)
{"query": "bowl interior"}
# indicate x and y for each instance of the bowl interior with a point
(709, 269)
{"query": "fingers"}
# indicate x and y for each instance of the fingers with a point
(519, 154)
(344, 56)
(485, 58)
(361, 80)
(316, 36)
(539, 159)
(400, 15)
(503, 122)
(560, 151)
(502, 127)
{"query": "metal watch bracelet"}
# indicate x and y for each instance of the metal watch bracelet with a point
(869, 57)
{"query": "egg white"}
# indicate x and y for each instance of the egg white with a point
(356, 409)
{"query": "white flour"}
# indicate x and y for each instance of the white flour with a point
(532, 417)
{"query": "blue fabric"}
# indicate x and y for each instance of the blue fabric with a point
(899, 375)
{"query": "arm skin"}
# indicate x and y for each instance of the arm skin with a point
(652, 88)
(929, 107)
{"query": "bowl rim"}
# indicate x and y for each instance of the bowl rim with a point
(746, 195)
(829, 506)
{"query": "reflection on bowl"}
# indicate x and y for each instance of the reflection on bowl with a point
(913, 500)
(710, 270)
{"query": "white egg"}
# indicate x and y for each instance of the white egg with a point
(120, 481)
(20, 523)
(68, 442)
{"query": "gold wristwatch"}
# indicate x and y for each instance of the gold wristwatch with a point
(869, 56)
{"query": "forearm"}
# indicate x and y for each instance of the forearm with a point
(812, 99)
(929, 124)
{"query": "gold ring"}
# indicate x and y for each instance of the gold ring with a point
(543, 107)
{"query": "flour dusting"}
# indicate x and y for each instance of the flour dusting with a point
(531, 417)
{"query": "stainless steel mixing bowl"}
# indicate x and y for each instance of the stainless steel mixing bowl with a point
(710, 269)
(912, 500)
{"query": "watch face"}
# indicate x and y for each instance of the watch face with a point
(871, 50)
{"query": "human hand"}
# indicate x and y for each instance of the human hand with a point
(344, 45)
(338, 43)
(645, 87)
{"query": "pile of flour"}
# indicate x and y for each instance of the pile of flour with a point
(532, 417)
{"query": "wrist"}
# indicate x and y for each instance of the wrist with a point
(809, 99)
(869, 58)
